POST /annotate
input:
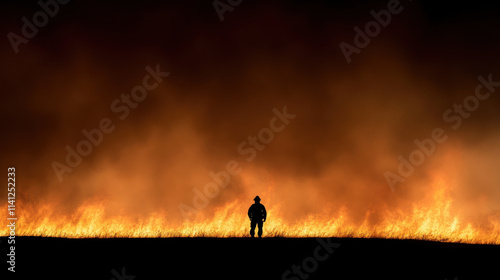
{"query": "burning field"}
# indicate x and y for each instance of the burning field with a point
(432, 219)
(167, 121)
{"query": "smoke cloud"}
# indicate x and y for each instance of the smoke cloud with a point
(352, 120)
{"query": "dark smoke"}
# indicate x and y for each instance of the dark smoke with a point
(353, 120)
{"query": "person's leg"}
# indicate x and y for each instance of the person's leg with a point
(252, 228)
(260, 228)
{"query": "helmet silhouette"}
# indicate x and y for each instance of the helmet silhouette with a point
(257, 198)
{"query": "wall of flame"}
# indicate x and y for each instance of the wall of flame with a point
(321, 176)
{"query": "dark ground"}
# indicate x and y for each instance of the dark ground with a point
(243, 258)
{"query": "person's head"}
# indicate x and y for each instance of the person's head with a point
(257, 200)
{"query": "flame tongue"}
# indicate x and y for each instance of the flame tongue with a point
(431, 222)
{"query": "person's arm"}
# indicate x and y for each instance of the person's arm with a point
(250, 212)
(265, 213)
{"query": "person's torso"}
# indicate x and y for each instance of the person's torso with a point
(257, 211)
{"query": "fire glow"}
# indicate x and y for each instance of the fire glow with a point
(321, 176)
(430, 221)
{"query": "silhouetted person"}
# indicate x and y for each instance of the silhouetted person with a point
(257, 214)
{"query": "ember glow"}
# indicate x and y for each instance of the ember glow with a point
(431, 219)
(320, 174)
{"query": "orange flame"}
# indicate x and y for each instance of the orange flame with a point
(432, 222)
